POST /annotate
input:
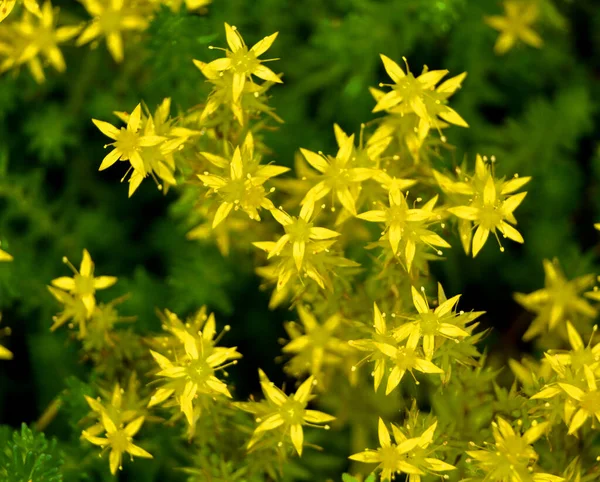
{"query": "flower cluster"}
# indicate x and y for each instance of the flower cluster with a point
(341, 233)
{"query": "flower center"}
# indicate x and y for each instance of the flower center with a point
(489, 216)
(591, 401)
(299, 230)
(127, 141)
(292, 412)
(84, 285)
(243, 61)
(119, 440)
(429, 323)
(110, 20)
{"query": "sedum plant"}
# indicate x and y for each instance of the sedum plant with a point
(376, 353)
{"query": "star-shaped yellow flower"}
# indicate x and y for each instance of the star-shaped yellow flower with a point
(287, 414)
(129, 142)
(558, 301)
(420, 96)
(405, 358)
(118, 441)
(110, 18)
(515, 25)
(491, 212)
(243, 62)
(36, 36)
(512, 457)
(192, 372)
(319, 346)
(587, 402)
(440, 322)
(404, 455)
(337, 175)
(405, 224)
(83, 284)
(243, 186)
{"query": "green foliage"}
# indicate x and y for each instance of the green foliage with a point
(28, 456)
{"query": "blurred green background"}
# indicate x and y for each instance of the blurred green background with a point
(535, 110)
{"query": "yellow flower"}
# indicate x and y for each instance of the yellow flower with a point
(419, 95)
(287, 414)
(243, 187)
(190, 377)
(83, 284)
(512, 458)
(337, 175)
(441, 322)
(5, 353)
(559, 300)
(252, 99)
(580, 355)
(406, 224)
(317, 347)
(26, 40)
(381, 335)
(73, 309)
(300, 234)
(587, 402)
(129, 142)
(470, 189)
(118, 441)
(515, 25)
(405, 358)
(157, 158)
(120, 419)
(404, 455)
(111, 18)
(491, 211)
(243, 62)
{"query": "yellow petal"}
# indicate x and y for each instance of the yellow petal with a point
(138, 451)
(303, 393)
(479, 239)
(115, 458)
(392, 68)
(263, 45)
(367, 457)
(419, 301)
(346, 199)
(160, 396)
(102, 282)
(315, 416)
(315, 160)
(271, 422)
(114, 42)
(265, 73)
(233, 38)
(112, 157)
(222, 212)
(578, 420)
(297, 436)
(394, 379)
(107, 129)
(134, 427)
(384, 435)
(239, 80)
(298, 249)
(64, 283)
